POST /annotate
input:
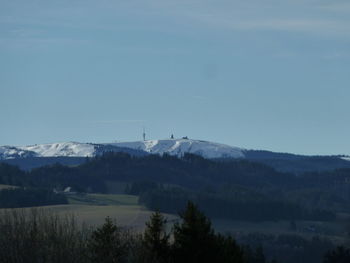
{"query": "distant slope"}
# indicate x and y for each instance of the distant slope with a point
(34, 162)
(75, 149)
(67, 153)
(287, 162)
(73, 153)
(63, 149)
(11, 152)
(69, 149)
(305, 164)
(180, 146)
(264, 155)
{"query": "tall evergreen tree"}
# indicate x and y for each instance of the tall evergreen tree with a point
(339, 255)
(194, 238)
(228, 250)
(106, 244)
(156, 239)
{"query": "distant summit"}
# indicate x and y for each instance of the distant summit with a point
(170, 146)
(74, 153)
(62, 149)
(184, 145)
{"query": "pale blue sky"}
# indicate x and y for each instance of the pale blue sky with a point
(257, 74)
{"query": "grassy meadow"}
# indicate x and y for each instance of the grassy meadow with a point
(5, 186)
(92, 209)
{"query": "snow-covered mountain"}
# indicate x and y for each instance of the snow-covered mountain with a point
(12, 152)
(73, 153)
(67, 149)
(180, 146)
(75, 149)
(170, 146)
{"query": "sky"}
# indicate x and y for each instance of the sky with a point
(270, 74)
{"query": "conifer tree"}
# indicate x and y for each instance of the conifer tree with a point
(106, 244)
(339, 255)
(228, 250)
(156, 239)
(194, 238)
(259, 255)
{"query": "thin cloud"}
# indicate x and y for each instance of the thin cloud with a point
(297, 16)
(339, 7)
(291, 16)
(320, 26)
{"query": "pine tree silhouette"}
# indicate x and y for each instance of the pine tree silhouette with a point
(156, 239)
(106, 244)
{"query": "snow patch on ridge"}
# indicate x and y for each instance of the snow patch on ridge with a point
(180, 146)
(67, 149)
(11, 152)
(170, 146)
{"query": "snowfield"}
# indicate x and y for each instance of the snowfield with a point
(11, 152)
(180, 146)
(67, 149)
(175, 147)
(171, 146)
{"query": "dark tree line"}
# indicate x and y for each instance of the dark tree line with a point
(305, 196)
(288, 248)
(189, 171)
(253, 207)
(40, 236)
(28, 197)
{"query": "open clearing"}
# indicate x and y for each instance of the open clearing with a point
(103, 199)
(131, 216)
(5, 186)
(308, 229)
(92, 209)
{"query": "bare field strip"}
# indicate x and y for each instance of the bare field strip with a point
(92, 209)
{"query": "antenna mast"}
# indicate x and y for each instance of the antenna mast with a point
(144, 134)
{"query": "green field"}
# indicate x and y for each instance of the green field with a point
(103, 199)
(308, 229)
(5, 186)
(131, 216)
(92, 209)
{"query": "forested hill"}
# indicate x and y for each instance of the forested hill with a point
(74, 153)
(189, 171)
(236, 183)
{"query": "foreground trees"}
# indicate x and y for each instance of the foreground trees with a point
(196, 241)
(155, 240)
(194, 238)
(108, 243)
(39, 236)
(339, 255)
